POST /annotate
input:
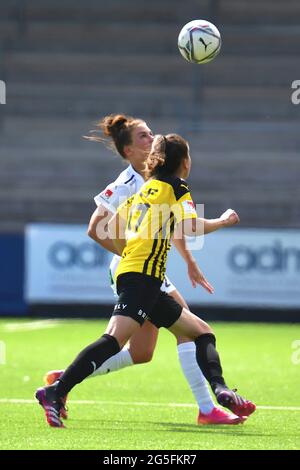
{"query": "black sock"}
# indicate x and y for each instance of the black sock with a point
(87, 361)
(209, 361)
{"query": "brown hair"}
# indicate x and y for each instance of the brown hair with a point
(166, 154)
(118, 127)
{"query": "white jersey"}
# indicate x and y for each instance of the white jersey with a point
(126, 185)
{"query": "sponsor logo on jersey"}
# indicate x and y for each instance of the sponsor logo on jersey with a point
(108, 193)
(188, 207)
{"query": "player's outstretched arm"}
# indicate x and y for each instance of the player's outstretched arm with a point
(227, 219)
(200, 226)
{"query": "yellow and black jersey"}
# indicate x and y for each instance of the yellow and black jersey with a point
(151, 215)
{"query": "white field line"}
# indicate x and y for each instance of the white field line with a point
(18, 401)
(30, 326)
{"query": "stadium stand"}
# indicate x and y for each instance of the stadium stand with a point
(68, 63)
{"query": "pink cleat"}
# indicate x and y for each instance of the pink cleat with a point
(219, 416)
(235, 403)
(51, 405)
(49, 379)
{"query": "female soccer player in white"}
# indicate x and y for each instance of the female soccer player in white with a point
(140, 274)
(132, 139)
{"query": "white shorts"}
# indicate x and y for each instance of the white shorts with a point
(166, 286)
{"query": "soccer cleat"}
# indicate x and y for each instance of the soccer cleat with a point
(51, 405)
(235, 403)
(219, 416)
(49, 379)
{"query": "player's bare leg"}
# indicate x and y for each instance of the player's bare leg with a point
(143, 342)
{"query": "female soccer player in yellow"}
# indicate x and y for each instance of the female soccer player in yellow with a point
(144, 226)
(131, 138)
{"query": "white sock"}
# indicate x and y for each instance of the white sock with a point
(118, 361)
(194, 376)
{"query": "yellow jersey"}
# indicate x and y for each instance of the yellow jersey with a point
(151, 215)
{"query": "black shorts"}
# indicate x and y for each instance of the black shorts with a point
(140, 298)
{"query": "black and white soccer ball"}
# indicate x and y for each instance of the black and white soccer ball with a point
(199, 41)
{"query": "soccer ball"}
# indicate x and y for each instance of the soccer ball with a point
(199, 41)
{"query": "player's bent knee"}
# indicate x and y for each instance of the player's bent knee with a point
(182, 339)
(201, 328)
(206, 328)
(141, 357)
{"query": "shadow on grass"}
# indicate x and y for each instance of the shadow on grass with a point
(240, 430)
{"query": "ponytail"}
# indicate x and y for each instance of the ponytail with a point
(166, 155)
(156, 156)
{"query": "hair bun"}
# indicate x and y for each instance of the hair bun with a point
(112, 124)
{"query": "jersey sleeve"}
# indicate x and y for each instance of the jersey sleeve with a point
(184, 207)
(113, 196)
